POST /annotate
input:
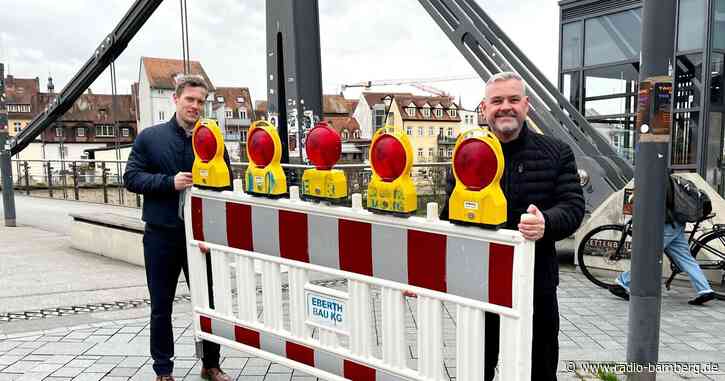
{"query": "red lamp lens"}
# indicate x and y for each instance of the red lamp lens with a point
(388, 157)
(260, 147)
(205, 143)
(475, 164)
(323, 146)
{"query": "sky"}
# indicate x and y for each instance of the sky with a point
(361, 40)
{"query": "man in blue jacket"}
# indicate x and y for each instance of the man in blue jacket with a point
(159, 167)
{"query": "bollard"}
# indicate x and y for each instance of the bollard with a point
(75, 179)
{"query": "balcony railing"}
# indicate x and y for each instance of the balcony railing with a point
(237, 121)
(442, 139)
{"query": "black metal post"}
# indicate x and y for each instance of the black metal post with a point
(26, 169)
(6, 172)
(50, 179)
(74, 167)
(653, 126)
(104, 180)
(294, 74)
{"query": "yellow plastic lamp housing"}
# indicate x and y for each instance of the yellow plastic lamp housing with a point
(391, 188)
(264, 175)
(210, 171)
(478, 165)
(323, 147)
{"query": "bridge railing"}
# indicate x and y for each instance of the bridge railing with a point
(101, 181)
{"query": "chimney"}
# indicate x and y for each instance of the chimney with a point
(51, 87)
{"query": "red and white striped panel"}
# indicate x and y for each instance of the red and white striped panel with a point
(323, 360)
(465, 267)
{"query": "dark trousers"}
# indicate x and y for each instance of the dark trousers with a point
(165, 257)
(545, 344)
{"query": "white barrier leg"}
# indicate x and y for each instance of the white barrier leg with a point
(430, 338)
(360, 333)
(469, 344)
(394, 348)
(297, 282)
(222, 285)
(246, 289)
(272, 296)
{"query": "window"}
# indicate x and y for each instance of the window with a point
(612, 38)
(410, 111)
(426, 112)
(718, 25)
(125, 132)
(430, 153)
(243, 113)
(450, 132)
(18, 127)
(409, 131)
(610, 90)
(104, 130)
(452, 113)
(440, 131)
(18, 108)
(420, 131)
(449, 153)
(240, 99)
(59, 132)
(688, 81)
(244, 135)
(356, 134)
(717, 67)
(80, 132)
(345, 135)
(691, 25)
(571, 45)
(430, 131)
(228, 114)
(684, 138)
(420, 152)
(438, 113)
(162, 116)
(220, 99)
(379, 118)
(441, 152)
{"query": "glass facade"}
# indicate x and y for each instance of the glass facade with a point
(599, 72)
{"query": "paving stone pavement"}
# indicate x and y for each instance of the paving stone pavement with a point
(593, 328)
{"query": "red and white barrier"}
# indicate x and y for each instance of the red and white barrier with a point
(474, 269)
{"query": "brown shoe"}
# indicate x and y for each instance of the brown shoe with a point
(165, 378)
(214, 374)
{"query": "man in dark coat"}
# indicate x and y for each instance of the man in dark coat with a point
(159, 167)
(540, 178)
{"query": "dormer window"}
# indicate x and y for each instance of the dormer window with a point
(452, 113)
(240, 99)
(220, 99)
(410, 111)
(426, 112)
(439, 113)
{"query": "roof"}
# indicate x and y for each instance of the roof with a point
(230, 95)
(337, 104)
(95, 108)
(340, 123)
(22, 91)
(377, 98)
(260, 110)
(162, 72)
(421, 101)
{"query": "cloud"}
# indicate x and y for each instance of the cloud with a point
(361, 40)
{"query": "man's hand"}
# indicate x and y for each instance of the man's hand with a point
(182, 180)
(532, 225)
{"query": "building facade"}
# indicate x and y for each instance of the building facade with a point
(600, 43)
(234, 111)
(156, 84)
(21, 99)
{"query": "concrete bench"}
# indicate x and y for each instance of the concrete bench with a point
(112, 235)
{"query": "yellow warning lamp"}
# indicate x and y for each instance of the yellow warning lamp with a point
(210, 170)
(478, 166)
(265, 176)
(323, 147)
(391, 189)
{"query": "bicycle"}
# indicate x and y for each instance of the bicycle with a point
(606, 250)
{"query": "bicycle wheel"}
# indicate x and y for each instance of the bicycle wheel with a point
(604, 254)
(711, 250)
